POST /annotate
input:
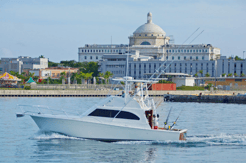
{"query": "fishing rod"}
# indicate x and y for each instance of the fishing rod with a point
(176, 119)
(196, 36)
(165, 123)
(169, 64)
(191, 35)
(157, 71)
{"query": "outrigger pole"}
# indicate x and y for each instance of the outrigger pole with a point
(176, 119)
(165, 123)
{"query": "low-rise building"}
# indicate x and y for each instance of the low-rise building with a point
(53, 72)
(22, 63)
(142, 67)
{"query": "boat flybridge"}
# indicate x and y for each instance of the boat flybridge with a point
(129, 117)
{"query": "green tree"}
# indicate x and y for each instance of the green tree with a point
(224, 74)
(235, 74)
(196, 75)
(41, 56)
(63, 74)
(90, 67)
(76, 76)
(242, 75)
(88, 76)
(201, 72)
(49, 80)
(229, 75)
(102, 76)
(31, 75)
(52, 64)
(208, 86)
(207, 74)
(238, 58)
(107, 75)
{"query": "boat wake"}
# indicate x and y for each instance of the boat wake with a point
(199, 141)
(42, 135)
(192, 141)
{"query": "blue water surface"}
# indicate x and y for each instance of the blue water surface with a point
(216, 133)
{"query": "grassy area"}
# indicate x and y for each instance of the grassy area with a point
(190, 88)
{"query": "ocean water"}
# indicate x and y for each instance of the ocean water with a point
(216, 133)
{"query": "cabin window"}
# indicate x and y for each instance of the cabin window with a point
(104, 113)
(127, 115)
(112, 114)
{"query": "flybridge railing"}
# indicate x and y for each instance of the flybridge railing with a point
(40, 109)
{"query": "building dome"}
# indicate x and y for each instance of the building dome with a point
(149, 27)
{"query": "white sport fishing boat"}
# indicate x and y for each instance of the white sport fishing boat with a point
(130, 117)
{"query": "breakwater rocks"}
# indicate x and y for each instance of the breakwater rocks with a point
(206, 98)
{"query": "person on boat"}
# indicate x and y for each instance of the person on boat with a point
(155, 121)
(123, 94)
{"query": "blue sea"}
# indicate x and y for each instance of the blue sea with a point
(216, 133)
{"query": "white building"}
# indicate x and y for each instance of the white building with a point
(151, 40)
(22, 63)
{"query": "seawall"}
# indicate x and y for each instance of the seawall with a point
(104, 93)
(239, 99)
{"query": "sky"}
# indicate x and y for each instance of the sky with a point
(56, 28)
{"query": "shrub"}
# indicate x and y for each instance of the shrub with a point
(27, 87)
(164, 81)
(192, 88)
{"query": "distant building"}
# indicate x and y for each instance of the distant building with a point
(231, 66)
(22, 63)
(151, 40)
(53, 72)
(142, 67)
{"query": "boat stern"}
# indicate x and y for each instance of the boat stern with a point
(182, 134)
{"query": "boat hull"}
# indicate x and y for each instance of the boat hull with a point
(104, 132)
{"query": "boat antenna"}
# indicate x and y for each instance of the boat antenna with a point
(176, 119)
(165, 123)
(126, 83)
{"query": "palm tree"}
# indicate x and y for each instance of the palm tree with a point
(88, 76)
(31, 74)
(107, 75)
(229, 75)
(63, 74)
(207, 74)
(82, 76)
(201, 72)
(101, 75)
(77, 76)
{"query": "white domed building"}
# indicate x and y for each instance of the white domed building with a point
(150, 40)
(149, 34)
(150, 47)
